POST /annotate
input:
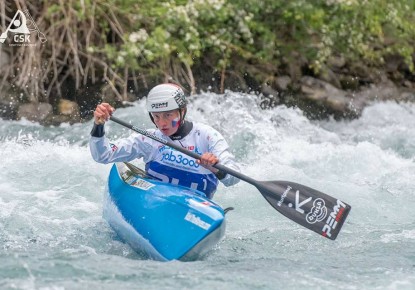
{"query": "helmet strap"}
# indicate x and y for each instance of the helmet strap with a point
(182, 116)
(152, 119)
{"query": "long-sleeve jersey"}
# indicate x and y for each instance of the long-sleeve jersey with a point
(167, 164)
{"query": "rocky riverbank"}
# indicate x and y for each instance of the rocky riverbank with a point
(342, 90)
(317, 97)
(320, 99)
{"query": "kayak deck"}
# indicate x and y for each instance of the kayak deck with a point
(159, 220)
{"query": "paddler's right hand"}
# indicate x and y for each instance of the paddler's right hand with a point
(102, 113)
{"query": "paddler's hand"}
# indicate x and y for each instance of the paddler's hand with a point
(207, 160)
(102, 113)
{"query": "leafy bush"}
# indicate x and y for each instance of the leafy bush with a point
(119, 41)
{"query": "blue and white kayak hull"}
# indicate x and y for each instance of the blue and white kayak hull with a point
(160, 220)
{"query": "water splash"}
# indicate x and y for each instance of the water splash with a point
(52, 234)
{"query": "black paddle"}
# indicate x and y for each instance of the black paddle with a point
(310, 208)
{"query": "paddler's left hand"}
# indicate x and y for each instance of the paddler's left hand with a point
(207, 160)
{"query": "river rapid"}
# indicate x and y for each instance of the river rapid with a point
(53, 236)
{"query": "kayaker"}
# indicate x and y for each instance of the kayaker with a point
(167, 107)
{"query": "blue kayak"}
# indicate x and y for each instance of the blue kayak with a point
(159, 220)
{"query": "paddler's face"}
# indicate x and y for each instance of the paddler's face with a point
(167, 122)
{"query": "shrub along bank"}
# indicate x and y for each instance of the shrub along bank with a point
(329, 57)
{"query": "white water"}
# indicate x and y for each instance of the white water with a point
(52, 235)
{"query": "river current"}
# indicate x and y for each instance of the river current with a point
(53, 236)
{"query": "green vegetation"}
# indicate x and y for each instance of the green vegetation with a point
(133, 43)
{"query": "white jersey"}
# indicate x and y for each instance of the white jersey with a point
(167, 164)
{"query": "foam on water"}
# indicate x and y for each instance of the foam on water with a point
(52, 235)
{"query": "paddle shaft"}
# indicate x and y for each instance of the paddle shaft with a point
(185, 151)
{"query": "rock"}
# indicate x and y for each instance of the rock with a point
(269, 91)
(359, 70)
(270, 97)
(408, 84)
(282, 83)
(336, 62)
(310, 85)
(35, 112)
(323, 99)
(68, 112)
(69, 108)
(329, 76)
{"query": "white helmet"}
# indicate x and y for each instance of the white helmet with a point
(165, 97)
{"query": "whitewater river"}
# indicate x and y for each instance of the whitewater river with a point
(53, 236)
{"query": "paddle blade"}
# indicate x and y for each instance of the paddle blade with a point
(310, 208)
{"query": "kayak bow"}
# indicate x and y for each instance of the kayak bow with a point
(161, 221)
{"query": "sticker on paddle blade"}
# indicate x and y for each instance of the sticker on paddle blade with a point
(308, 207)
(318, 212)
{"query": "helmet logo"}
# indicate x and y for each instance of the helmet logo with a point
(180, 100)
(160, 105)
